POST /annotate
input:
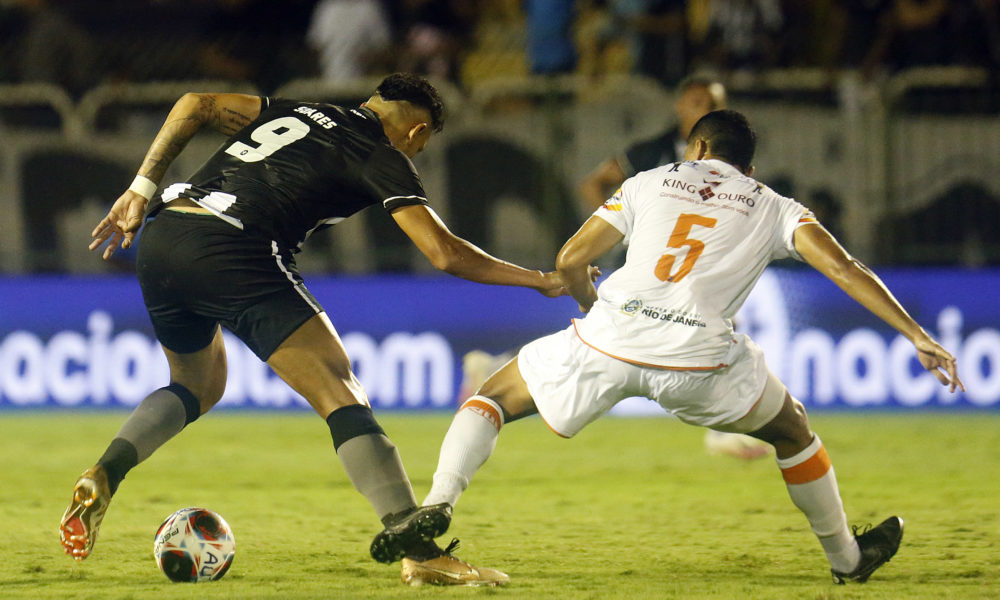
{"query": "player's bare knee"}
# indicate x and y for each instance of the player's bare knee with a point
(800, 423)
(213, 393)
(791, 432)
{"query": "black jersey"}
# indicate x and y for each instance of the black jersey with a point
(299, 166)
(651, 153)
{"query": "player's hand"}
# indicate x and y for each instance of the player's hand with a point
(938, 361)
(587, 303)
(552, 285)
(121, 224)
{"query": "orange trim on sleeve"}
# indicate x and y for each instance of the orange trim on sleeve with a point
(812, 469)
(642, 364)
(485, 410)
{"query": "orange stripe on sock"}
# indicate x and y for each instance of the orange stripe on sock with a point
(484, 409)
(812, 469)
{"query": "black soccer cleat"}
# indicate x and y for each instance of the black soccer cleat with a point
(410, 533)
(878, 545)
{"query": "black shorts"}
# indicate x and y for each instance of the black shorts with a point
(197, 271)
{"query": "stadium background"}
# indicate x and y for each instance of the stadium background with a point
(879, 116)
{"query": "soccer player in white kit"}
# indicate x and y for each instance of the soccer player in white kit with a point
(699, 234)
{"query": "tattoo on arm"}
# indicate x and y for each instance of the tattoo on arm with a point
(183, 122)
(233, 121)
(222, 118)
(172, 138)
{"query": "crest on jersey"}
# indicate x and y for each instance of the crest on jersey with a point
(614, 203)
(632, 307)
(808, 217)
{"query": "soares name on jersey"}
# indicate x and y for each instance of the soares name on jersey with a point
(297, 167)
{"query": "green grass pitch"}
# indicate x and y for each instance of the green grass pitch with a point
(630, 508)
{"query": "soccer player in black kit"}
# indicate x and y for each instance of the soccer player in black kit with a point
(218, 250)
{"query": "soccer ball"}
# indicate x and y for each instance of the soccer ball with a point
(194, 544)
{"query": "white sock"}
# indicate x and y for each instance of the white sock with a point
(470, 440)
(812, 485)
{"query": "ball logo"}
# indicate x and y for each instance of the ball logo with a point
(194, 545)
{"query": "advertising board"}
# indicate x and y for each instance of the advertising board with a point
(72, 342)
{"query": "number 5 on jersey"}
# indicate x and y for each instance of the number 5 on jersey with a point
(272, 136)
(678, 239)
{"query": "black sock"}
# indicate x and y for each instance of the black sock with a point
(118, 459)
(350, 422)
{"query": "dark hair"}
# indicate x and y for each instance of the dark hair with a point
(729, 137)
(417, 91)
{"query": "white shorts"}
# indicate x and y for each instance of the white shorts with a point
(573, 384)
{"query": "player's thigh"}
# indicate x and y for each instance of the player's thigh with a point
(203, 371)
(172, 266)
(507, 388)
(572, 384)
(764, 410)
(716, 398)
(313, 361)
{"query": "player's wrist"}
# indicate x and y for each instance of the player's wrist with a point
(143, 186)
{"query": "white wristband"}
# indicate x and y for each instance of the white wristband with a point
(143, 186)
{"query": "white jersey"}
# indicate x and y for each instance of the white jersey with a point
(699, 234)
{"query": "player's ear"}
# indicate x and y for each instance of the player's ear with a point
(700, 149)
(416, 130)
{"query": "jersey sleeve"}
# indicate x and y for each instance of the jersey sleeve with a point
(619, 211)
(792, 216)
(267, 102)
(392, 179)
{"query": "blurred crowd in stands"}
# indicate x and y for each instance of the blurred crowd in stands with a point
(269, 42)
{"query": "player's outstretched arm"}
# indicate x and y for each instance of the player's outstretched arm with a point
(225, 113)
(461, 258)
(593, 239)
(821, 250)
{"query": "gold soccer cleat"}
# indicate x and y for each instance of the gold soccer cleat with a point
(82, 520)
(446, 569)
